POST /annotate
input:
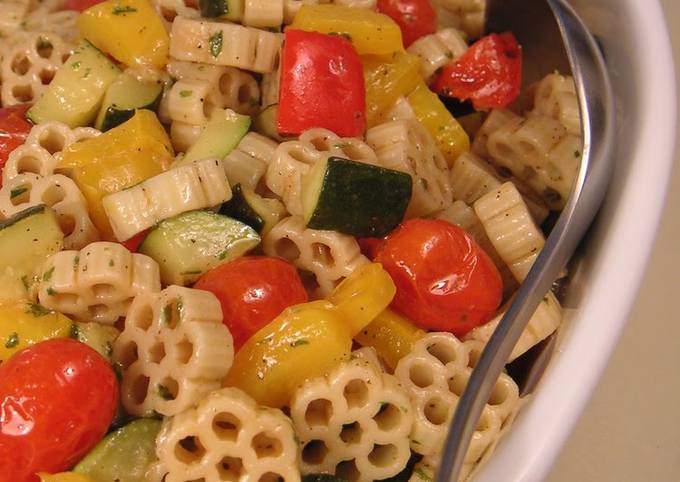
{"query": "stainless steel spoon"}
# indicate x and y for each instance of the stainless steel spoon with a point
(597, 120)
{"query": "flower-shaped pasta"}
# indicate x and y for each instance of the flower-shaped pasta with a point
(173, 351)
(354, 422)
(228, 437)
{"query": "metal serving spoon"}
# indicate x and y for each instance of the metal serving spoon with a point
(553, 19)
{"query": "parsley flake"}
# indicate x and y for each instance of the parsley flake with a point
(123, 10)
(185, 93)
(52, 292)
(74, 332)
(422, 475)
(164, 392)
(12, 340)
(299, 342)
(48, 274)
(215, 43)
(37, 310)
(17, 192)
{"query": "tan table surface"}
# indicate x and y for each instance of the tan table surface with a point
(630, 430)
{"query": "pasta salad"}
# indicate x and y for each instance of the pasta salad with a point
(264, 240)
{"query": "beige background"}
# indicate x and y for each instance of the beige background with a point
(630, 430)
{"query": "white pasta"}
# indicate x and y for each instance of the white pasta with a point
(12, 14)
(59, 22)
(542, 324)
(556, 97)
(405, 145)
(173, 351)
(184, 135)
(496, 119)
(225, 44)
(169, 9)
(293, 159)
(292, 7)
(197, 185)
(330, 256)
(438, 49)
(354, 422)
(435, 374)
(29, 65)
(42, 149)
(510, 228)
(270, 87)
(247, 164)
(368, 4)
(263, 13)
(228, 437)
(466, 15)
(58, 192)
(191, 101)
(96, 283)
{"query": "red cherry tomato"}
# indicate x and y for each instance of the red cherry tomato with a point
(444, 280)
(489, 73)
(57, 399)
(253, 290)
(80, 5)
(14, 129)
(416, 18)
(133, 243)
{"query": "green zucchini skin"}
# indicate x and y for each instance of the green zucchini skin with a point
(213, 8)
(221, 135)
(321, 478)
(265, 123)
(239, 208)
(355, 198)
(123, 97)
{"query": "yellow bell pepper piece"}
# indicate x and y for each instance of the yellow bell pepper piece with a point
(307, 340)
(449, 135)
(386, 80)
(24, 323)
(64, 477)
(391, 335)
(370, 32)
(303, 342)
(363, 295)
(130, 30)
(122, 157)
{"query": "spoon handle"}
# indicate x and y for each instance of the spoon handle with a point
(597, 119)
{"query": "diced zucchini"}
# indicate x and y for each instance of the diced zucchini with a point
(125, 95)
(226, 9)
(247, 206)
(221, 135)
(265, 123)
(321, 478)
(354, 198)
(27, 239)
(76, 92)
(97, 336)
(123, 455)
(188, 245)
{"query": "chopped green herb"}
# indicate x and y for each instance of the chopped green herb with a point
(577, 154)
(118, 370)
(76, 261)
(74, 332)
(215, 43)
(76, 65)
(197, 271)
(422, 475)
(111, 263)
(123, 10)
(37, 310)
(164, 392)
(167, 314)
(223, 254)
(24, 280)
(17, 192)
(12, 340)
(185, 93)
(108, 349)
(52, 292)
(299, 342)
(449, 54)
(296, 439)
(87, 73)
(48, 274)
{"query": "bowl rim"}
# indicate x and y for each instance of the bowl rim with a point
(530, 448)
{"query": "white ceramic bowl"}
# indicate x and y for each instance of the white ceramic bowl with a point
(639, 57)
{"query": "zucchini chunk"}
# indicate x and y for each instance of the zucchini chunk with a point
(123, 455)
(226, 9)
(27, 239)
(188, 245)
(259, 213)
(354, 198)
(125, 95)
(221, 135)
(76, 92)
(97, 336)
(265, 123)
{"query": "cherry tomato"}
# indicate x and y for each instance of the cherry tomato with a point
(57, 399)
(253, 290)
(444, 280)
(80, 5)
(489, 73)
(133, 243)
(14, 129)
(416, 18)
(370, 246)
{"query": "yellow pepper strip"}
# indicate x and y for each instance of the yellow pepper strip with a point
(130, 30)
(64, 477)
(449, 135)
(363, 296)
(370, 32)
(122, 157)
(303, 342)
(309, 339)
(391, 335)
(24, 323)
(386, 80)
